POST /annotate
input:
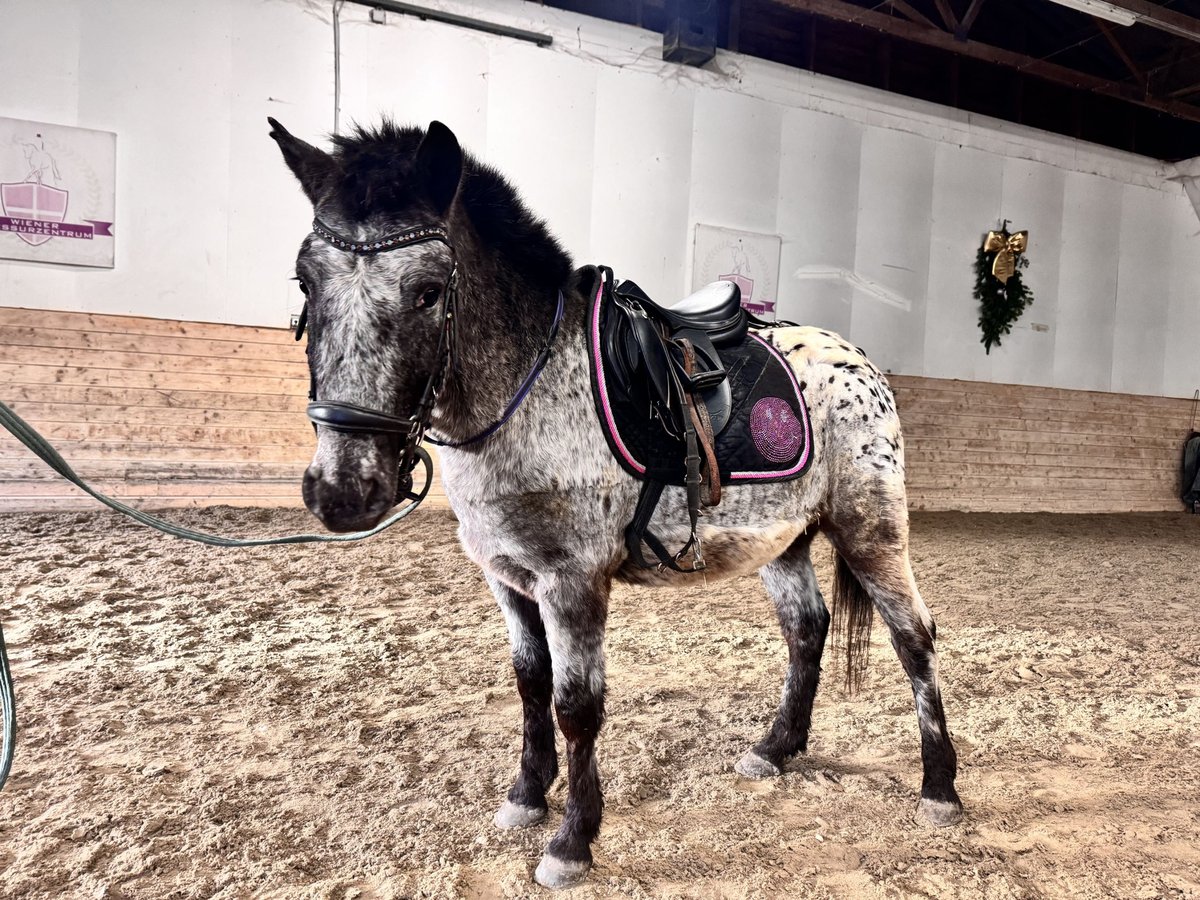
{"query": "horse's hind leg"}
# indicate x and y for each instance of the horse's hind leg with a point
(792, 584)
(526, 803)
(873, 550)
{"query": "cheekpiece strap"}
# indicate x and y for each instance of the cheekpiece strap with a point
(381, 245)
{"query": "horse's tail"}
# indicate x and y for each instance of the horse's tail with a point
(852, 615)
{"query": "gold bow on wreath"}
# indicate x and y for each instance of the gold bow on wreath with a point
(1006, 247)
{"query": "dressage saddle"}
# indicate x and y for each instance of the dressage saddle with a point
(675, 388)
(648, 344)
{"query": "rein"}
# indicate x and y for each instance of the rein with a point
(523, 391)
(28, 435)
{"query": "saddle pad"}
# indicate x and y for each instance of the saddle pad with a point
(768, 438)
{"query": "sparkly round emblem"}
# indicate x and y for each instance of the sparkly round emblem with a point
(777, 432)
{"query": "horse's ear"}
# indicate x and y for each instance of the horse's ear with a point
(439, 160)
(309, 164)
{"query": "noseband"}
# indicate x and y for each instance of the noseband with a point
(352, 419)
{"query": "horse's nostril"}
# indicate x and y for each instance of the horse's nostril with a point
(378, 499)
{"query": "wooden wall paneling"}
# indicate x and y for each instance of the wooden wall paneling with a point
(175, 414)
(983, 446)
(163, 414)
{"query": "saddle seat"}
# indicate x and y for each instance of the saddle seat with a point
(715, 309)
(643, 340)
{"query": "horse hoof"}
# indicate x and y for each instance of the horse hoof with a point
(514, 815)
(553, 872)
(754, 766)
(940, 813)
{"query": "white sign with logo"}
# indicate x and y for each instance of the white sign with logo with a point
(750, 260)
(57, 193)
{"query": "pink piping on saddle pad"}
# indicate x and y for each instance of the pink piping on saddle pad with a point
(608, 416)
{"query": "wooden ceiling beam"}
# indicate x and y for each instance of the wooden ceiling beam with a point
(909, 12)
(1184, 91)
(848, 13)
(735, 25)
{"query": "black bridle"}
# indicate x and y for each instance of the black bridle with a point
(352, 419)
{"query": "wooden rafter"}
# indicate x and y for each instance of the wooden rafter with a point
(911, 13)
(964, 27)
(931, 36)
(1185, 91)
(1160, 17)
(1133, 67)
(947, 14)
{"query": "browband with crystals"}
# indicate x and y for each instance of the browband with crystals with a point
(391, 242)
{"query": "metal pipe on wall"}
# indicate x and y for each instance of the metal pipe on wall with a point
(437, 15)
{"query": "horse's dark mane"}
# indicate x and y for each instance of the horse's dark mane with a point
(378, 175)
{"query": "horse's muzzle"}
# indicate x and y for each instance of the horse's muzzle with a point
(348, 495)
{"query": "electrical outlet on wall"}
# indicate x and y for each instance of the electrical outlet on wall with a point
(294, 321)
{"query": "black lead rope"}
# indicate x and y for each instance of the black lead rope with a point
(27, 435)
(8, 714)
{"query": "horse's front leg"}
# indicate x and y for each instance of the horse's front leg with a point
(526, 803)
(574, 610)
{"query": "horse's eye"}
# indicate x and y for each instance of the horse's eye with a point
(428, 298)
(303, 286)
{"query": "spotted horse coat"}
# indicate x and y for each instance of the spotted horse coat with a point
(542, 503)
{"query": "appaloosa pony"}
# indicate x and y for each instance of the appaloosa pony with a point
(431, 292)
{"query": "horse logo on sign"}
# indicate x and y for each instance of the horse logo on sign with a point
(56, 182)
(34, 202)
(751, 261)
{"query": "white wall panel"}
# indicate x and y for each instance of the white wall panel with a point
(268, 213)
(895, 209)
(40, 40)
(1143, 291)
(967, 190)
(547, 157)
(735, 161)
(819, 178)
(167, 97)
(1087, 283)
(641, 181)
(1033, 202)
(414, 71)
(622, 154)
(1181, 359)
(55, 100)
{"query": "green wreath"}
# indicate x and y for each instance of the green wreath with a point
(1001, 303)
